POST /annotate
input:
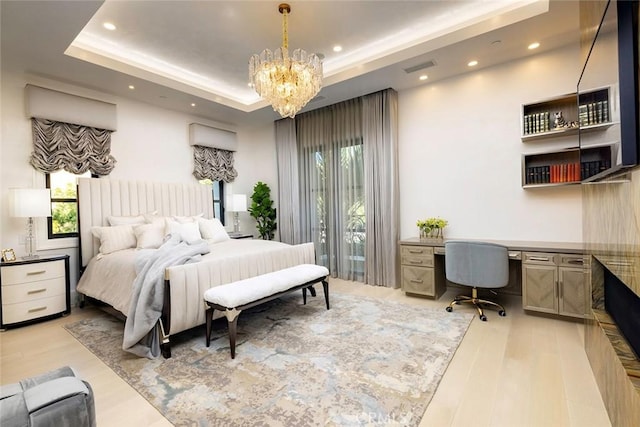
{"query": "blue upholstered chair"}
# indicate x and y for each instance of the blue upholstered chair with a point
(478, 265)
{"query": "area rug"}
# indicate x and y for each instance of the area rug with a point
(365, 361)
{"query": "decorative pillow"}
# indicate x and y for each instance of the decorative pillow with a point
(188, 232)
(212, 229)
(183, 219)
(114, 238)
(152, 218)
(125, 220)
(149, 236)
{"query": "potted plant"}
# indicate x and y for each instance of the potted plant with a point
(262, 210)
(431, 227)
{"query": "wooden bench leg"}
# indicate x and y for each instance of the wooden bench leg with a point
(325, 287)
(208, 314)
(232, 321)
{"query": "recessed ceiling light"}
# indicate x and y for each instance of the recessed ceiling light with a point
(337, 48)
(423, 77)
(193, 104)
(534, 45)
(132, 87)
(472, 63)
(109, 26)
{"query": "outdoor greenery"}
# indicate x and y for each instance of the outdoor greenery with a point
(262, 211)
(64, 215)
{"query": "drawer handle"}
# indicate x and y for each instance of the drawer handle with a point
(539, 258)
(30, 273)
(415, 261)
(36, 291)
(576, 261)
(619, 263)
(415, 251)
(33, 310)
(415, 281)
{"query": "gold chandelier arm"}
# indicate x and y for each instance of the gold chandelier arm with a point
(284, 10)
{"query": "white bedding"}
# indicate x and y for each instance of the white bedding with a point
(108, 278)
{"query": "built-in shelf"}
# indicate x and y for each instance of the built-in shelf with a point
(569, 164)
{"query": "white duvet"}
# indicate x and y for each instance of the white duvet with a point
(109, 278)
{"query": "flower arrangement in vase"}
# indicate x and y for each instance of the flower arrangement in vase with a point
(431, 228)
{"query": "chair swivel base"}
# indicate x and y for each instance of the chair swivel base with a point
(478, 303)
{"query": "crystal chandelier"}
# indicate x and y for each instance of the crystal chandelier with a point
(287, 82)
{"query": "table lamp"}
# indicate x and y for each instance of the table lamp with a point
(238, 204)
(29, 203)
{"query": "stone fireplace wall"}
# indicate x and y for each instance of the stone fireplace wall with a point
(611, 232)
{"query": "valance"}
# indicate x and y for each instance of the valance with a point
(74, 148)
(66, 108)
(207, 136)
(214, 164)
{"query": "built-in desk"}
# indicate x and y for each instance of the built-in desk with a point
(550, 276)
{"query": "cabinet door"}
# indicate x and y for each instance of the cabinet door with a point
(418, 280)
(539, 288)
(573, 292)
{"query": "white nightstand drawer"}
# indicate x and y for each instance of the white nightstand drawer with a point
(27, 273)
(13, 313)
(32, 291)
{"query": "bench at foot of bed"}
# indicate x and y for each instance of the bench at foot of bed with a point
(233, 298)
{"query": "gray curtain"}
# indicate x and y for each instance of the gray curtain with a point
(74, 148)
(332, 186)
(288, 185)
(380, 140)
(214, 164)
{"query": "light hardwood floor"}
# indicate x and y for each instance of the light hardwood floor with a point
(517, 371)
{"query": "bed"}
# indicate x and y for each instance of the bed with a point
(109, 277)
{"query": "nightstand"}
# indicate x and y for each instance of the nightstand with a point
(240, 235)
(34, 290)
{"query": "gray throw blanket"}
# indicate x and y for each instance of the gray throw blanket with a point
(140, 329)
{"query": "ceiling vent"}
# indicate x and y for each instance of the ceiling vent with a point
(428, 64)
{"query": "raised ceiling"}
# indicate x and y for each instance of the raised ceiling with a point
(179, 53)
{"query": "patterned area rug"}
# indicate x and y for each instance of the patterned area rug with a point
(364, 362)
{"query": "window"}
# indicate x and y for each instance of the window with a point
(218, 197)
(64, 204)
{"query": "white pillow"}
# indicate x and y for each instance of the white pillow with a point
(152, 218)
(115, 238)
(183, 219)
(212, 229)
(125, 220)
(149, 236)
(188, 232)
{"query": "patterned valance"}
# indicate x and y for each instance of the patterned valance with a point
(74, 148)
(214, 164)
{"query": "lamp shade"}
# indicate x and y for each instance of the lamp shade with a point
(238, 203)
(29, 202)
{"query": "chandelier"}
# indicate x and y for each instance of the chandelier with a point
(287, 82)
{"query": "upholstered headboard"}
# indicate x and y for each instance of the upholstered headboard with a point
(100, 197)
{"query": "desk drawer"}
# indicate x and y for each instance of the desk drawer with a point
(416, 255)
(541, 258)
(573, 260)
(14, 274)
(20, 312)
(418, 280)
(32, 291)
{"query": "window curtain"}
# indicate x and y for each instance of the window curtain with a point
(214, 164)
(74, 148)
(330, 159)
(380, 136)
(288, 184)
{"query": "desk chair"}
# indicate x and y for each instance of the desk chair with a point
(479, 265)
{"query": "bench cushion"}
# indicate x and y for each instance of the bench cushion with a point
(242, 292)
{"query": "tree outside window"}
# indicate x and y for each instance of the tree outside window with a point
(64, 204)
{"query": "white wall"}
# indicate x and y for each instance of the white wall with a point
(461, 153)
(151, 144)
